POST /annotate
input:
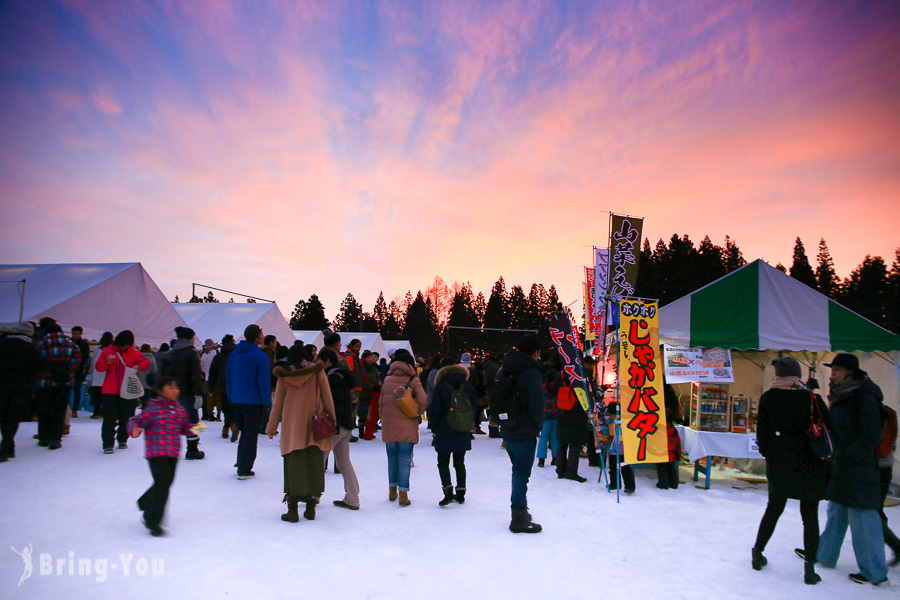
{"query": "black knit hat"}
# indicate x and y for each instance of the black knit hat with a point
(331, 338)
(786, 366)
(184, 333)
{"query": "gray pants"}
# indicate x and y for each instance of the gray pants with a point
(342, 462)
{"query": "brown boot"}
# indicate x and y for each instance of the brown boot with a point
(310, 512)
(404, 499)
(291, 515)
(225, 432)
(392, 493)
(235, 432)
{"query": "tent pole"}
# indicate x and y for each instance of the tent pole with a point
(22, 302)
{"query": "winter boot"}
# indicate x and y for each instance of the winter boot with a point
(392, 493)
(291, 515)
(404, 499)
(310, 512)
(225, 432)
(235, 432)
(810, 577)
(192, 452)
(521, 522)
(448, 496)
(540, 462)
(461, 495)
(758, 561)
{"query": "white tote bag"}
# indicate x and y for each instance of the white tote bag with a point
(131, 385)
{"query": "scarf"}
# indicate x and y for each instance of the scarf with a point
(845, 388)
(789, 382)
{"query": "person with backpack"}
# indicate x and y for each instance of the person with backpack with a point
(117, 411)
(885, 451)
(517, 404)
(452, 416)
(399, 431)
(784, 416)
(854, 494)
(573, 430)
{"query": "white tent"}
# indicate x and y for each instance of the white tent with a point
(98, 297)
(310, 336)
(215, 320)
(369, 341)
(392, 345)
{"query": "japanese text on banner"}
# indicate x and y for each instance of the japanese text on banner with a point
(641, 402)
(625, 248)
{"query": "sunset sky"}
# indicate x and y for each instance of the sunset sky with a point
(287, 148)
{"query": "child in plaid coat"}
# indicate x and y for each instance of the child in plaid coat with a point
(164, 421)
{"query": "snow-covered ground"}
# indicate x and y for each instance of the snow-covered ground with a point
(225, 539)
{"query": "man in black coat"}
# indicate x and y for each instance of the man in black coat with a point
(218, 383)
(183, 363)
(521, 441)
(341, 382)
(854, 491)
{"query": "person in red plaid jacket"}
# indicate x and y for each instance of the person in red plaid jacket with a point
(165, 421)
(61, 359)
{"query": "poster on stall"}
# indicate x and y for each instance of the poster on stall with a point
(685, 365)
(641, 398)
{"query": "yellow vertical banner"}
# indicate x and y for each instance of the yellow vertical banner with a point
(641, 397)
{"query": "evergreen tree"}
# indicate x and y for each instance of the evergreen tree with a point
(517, 308)
(208, 298)
(480, 306)
(392, 328)
(380, 312)
(865, 291)
(495, 313)
(553, 304)
(462, 309)
(368, 324)
(350, 316)
(311, 315)
(827, 280)
(892, 321)
(420, 327)
(731, 256)
(781, 268)
(249, 300)
(297, 315)
(712, 261)
(538, 307)
(801, 270)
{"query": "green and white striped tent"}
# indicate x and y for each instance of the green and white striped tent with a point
(757, 307)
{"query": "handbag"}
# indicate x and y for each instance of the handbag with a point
(406, 402)
(323, 425)
(131, 388)
(817, 433)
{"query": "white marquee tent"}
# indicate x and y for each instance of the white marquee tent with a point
(392, 345)
(215, 320)
(310, 336)
(98, 297)
(369, 341)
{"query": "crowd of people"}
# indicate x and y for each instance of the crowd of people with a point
(319, 401)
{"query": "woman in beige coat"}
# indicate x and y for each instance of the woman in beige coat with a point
(399, 432)
(301, 390)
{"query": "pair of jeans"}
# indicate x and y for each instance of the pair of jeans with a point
(521, 455)
(399, 456)
(868, 540)
(809, 513)
(153, 502)
(459, 465)
(116, 412)
(890, 538)
(548, 436)
(247, 417)
(51, 404)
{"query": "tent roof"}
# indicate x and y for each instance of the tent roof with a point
(757, 307)
(216, 319)
(98, 297)
(391, 345)
(310, 336)
(369, 341)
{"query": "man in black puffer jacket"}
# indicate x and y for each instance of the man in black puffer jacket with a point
(341, 382)
(219, 383)
(854, 491)
(183, 363)
(521, 442)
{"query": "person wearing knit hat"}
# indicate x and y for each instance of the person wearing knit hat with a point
(20, 363)
(332, 339)
(211, 403)
(183, 363)
(184, 333)
(793, 471)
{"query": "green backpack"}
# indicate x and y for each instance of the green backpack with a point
(461, 416)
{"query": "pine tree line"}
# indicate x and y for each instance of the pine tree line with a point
(671, 271)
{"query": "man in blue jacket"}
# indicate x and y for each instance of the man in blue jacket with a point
(247, 377)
